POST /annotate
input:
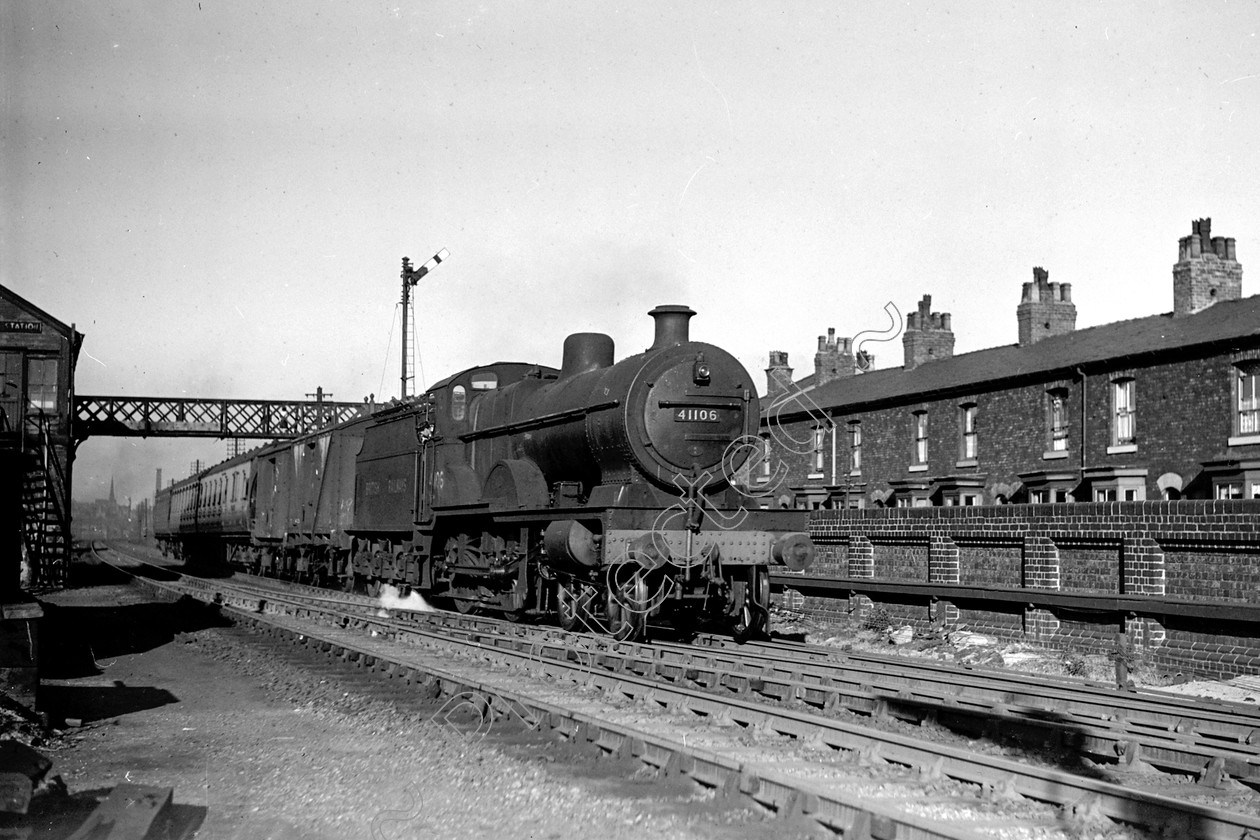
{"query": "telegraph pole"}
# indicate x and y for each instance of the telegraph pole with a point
(410, 277)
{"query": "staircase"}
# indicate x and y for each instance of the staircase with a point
(45, 514)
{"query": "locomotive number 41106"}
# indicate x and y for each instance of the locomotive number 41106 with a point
(697, 415)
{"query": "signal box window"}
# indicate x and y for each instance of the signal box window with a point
(10, 391)
(41, 385)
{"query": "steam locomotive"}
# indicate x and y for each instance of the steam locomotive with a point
(601, 494)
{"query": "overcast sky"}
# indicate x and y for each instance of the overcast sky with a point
(219, 194)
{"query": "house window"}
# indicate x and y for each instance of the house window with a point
(1048, 496)
(820, 437)
(1229, 490)
(967, 427)
(1124, 413)
(765, 458)
(855, 448)
(1249, 398)
(1056, 415)
(1122, 493)
(1116, 484)
(41, 385)
(919, 425)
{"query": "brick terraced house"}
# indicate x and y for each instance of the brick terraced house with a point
(945, 484)
(1161, 407)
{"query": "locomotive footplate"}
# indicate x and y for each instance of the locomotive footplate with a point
(684, 549)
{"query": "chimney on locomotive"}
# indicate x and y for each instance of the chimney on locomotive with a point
(671, 325)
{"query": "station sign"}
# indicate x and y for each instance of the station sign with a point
(21, 326)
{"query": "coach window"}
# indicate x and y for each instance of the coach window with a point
(919, 441)
(1247, 402)
(459, 402)
(1123, 416)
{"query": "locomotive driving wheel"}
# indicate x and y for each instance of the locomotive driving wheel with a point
(627, 606)
(753, 618)
(573, 605)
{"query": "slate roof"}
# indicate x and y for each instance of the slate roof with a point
(1138, 341)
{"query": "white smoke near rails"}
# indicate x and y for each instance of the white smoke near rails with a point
(390, 599)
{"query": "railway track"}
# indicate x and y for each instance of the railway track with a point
(703, 714)
(1214, 743)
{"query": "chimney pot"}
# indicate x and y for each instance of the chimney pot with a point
(1199, 283)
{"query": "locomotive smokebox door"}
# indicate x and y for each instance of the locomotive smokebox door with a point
(688, 425)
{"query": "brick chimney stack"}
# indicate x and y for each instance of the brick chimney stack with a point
(928, 335)
(1045, 310)
(834, 359)
(1207, 270)
(778, 375)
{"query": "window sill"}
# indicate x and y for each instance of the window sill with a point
(1054, 454)
(855, 472)
(1122, 449)
(917, 468)
(815, 476)
(968, 462)
(1244, 440)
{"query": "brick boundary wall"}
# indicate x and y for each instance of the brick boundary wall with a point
(1193, 551)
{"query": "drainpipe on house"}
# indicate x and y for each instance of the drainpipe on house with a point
(835, 432)
(1084, 394)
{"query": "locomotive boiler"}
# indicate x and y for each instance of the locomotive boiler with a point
(602, 493)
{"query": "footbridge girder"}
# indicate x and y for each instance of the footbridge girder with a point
(186, 417)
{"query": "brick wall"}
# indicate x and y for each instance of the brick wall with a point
(990, 564)
(899, 561)
(1205, 551)
(1232, 576)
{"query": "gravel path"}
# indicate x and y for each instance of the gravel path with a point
(261, 748)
